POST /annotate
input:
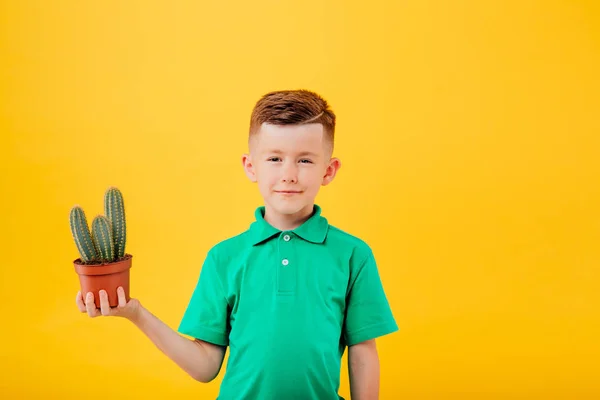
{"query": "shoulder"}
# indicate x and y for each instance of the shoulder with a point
(230, 247)
(224, 257)
(359, 249)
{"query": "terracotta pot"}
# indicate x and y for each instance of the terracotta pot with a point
(109, 277)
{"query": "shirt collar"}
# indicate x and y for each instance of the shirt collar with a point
(314, 229)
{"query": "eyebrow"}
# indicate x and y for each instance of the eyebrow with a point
(304, 153)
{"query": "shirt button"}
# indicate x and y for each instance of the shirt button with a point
(285, 261)
(286, 238)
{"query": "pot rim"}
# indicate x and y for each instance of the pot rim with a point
(103, 269)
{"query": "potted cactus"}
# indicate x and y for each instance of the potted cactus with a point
(103, 262)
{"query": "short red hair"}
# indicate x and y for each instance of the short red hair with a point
(293, 107)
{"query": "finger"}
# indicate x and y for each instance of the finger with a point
(121, 296)
(79, 302)
(90, 306)
(104, 306)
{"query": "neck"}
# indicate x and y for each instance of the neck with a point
(287, 222)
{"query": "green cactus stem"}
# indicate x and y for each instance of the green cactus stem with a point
(114, 210)
(81, 235)
(103, 238)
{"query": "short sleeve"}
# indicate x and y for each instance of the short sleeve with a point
(207, 314)
(368, 313)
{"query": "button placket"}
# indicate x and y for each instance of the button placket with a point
(286, 276)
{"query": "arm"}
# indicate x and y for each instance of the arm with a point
(201, 360)
(363, 369)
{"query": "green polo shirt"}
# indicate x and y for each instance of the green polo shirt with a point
(287, 303)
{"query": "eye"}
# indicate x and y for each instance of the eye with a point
(273, 159)
(306, 161)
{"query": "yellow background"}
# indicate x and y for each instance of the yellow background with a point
(469, 136)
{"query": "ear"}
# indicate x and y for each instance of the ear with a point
(334, 165)
(249, 167)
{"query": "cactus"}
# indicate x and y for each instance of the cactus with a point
(81, 234)
(114, 210)
(106, 242)
(103, 238)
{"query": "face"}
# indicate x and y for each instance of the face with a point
(290, 163)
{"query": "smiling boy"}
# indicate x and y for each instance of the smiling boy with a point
(292, 292)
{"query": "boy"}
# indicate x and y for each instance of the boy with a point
(288, 295)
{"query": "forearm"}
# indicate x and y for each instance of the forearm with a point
(363, 368)
(202, 361)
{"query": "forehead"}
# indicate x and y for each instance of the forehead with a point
(307, 137)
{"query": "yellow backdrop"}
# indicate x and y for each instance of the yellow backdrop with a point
(469, 135)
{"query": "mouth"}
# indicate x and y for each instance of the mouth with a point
(288, 191)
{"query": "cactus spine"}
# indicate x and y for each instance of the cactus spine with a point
(103, 238)
(106, 242)
(114, 210)
(81, 234)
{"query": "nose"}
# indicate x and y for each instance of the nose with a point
(289, 173)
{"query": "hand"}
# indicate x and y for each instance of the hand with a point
(129, 310)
